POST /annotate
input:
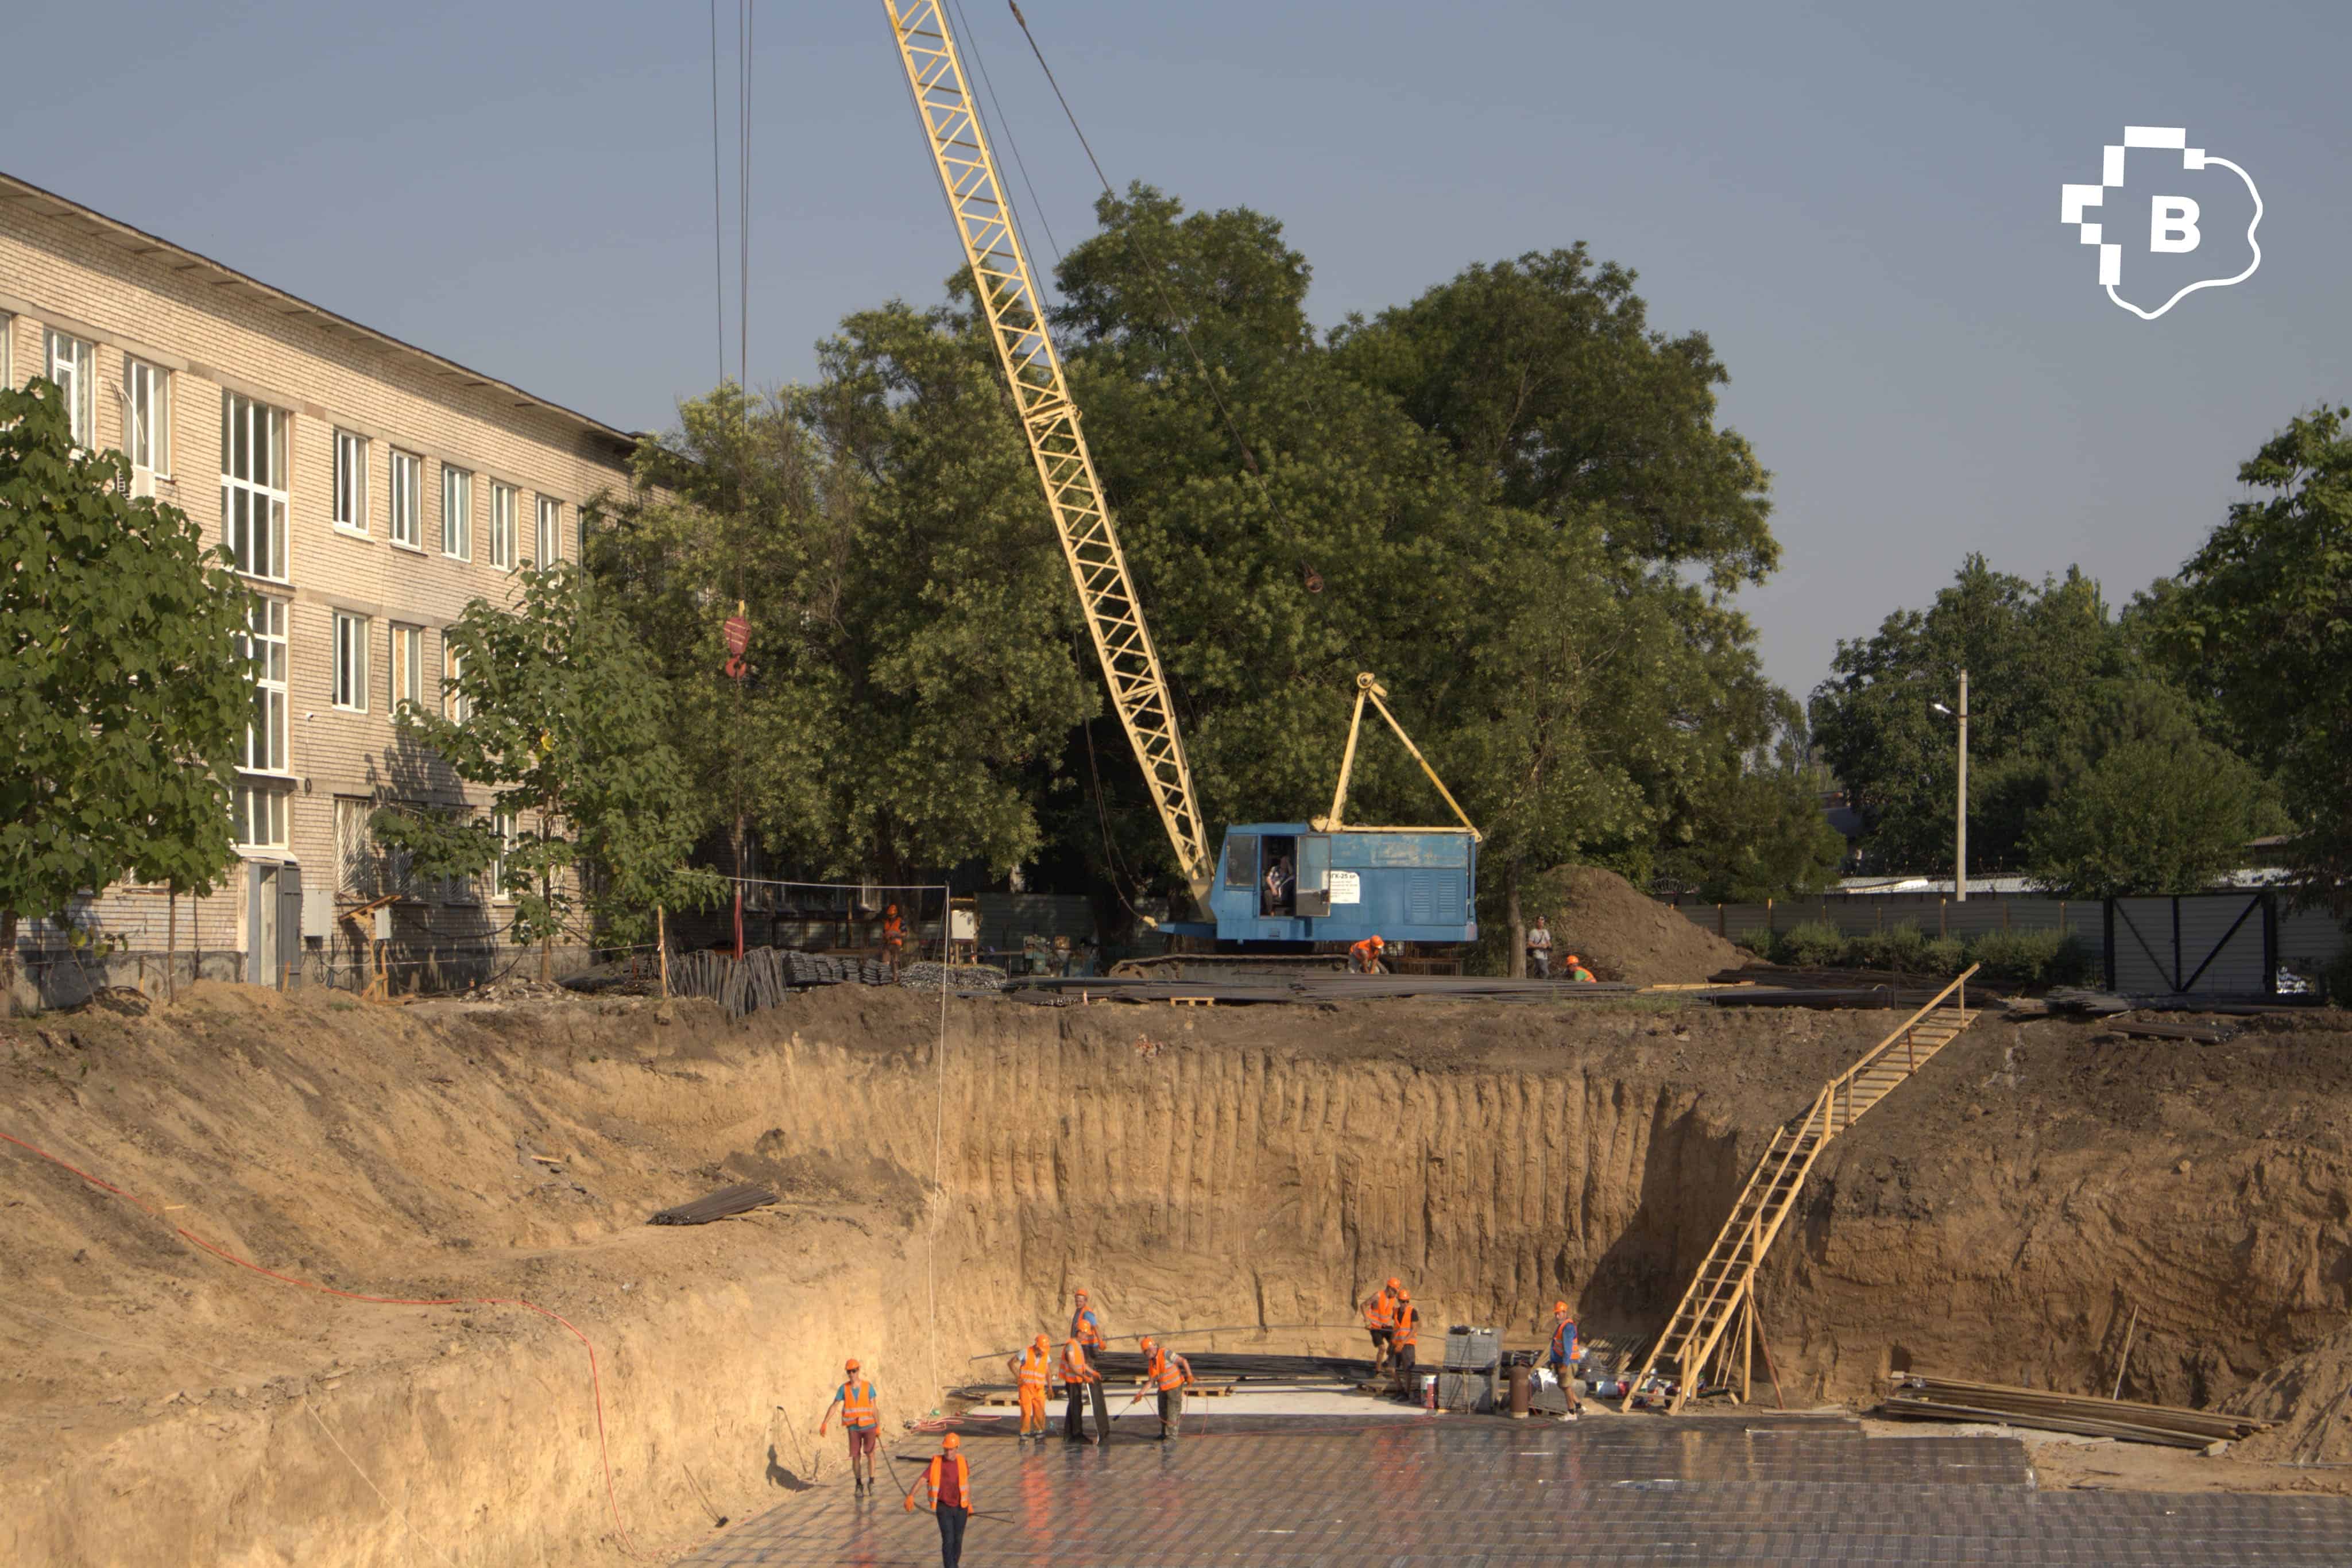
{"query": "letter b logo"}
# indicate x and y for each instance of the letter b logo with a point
(2171, 225)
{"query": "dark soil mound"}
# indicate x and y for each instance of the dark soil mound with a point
(1623, 933)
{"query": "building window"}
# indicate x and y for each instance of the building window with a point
(407, 667)
(263, 647)
(73, 365)
(350, 481)
(503, 501)
(458, 707)
(551, 533)
(147, 405)
(253, 485)
(261, 817)
(350, 661)
(407, 490)
(503, 824)
(456, 513)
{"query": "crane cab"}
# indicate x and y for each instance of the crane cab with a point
(1291, 883)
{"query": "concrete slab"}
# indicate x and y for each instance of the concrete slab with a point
(1420, 1492)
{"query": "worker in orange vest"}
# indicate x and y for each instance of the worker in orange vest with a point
(1086, 1331)
(1033, 1367)
(1407, 1339)
(861, 1418)
(1380, 1316)
(1167, 1374)
(1364, 957)
(1564, 1354)
(1577, 972)
(1078, 1375)
(947, 1485)
(894, 938)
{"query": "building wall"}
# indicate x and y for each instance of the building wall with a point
(214, 334)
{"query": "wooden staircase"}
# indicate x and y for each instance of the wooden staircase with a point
(1716, 1320)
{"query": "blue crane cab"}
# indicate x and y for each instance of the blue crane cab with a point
(1288, 884)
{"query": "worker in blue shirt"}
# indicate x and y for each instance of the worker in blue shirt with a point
(1564, 1354)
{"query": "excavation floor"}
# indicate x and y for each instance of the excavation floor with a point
(1435, 1491)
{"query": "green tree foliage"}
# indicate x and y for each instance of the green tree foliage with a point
(122, 691)
(2071, 721)
(565, 719)
(2261, 621)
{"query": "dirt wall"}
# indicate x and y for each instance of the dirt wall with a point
(1193, 1168)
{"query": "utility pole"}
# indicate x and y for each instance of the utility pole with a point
(1960, 806)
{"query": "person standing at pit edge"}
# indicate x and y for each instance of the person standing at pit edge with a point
(894, 938)
(1168, 1374)
(1563, 1355)
(1034, 1369)
(1085, 1332)
(947, 1486)
(1408, 1349)
(861, 1420)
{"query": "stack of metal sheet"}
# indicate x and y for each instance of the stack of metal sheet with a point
(1921, 1397)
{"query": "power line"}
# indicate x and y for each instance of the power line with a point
(743, 203)
(718, 205)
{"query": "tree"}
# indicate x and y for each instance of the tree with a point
(123, 693)
(2149, 816)
(2260, 623)
(557, 708)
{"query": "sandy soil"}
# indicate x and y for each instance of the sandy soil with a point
(1623, 933)
(1196, 1167)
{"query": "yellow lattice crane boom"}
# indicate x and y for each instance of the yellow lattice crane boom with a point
(1008, 297)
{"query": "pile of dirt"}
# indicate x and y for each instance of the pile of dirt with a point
(2310, 1398)
(1623, 933)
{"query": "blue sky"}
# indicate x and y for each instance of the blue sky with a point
(1859, 204)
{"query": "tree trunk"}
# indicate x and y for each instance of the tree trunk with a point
(1518, 922)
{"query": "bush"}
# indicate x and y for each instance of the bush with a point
(1944, 956)
(2032, 957)
(1810, 942)
(1757, 942)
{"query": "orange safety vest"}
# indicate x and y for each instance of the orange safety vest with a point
(1085, 1328)
(1074, 1364)
(1365, 950)
(894, 930)
(1381, 1310)
(1163, 1374)
(1033, 1371)
(1408, 1319)
(964, 1479)
(857, 1404)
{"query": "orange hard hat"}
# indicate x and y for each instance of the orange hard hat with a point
(1148, 1342)
(1082, 1293)
(1379, 940)
(1559, 1306)
(1039, 1341)
(849, 1365)
(1392, 1281)
(951, 1441)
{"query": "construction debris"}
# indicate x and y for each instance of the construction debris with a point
(2202, 1033)
(727, 1200)
(1924, 1398)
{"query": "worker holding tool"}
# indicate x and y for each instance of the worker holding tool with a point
(1579, 973)
(1033, 1367)
(1364, 957)
(1078, 1374)
(1086, 1331)
(1407, 1339)
(1539, 950)
(894, 938)
(1380, 1316)
(947, 1486)
(1168, 1374)
(861, 1418)
(1564, 1354)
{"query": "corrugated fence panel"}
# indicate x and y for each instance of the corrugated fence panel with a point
(1937, 915)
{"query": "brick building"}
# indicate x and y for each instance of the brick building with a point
(370, 490)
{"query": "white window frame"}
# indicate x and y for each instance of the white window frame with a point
(268, 802)
(454, 706)
(408, 500)
(254, 501)
(456, 512)
(503, 823)
(506, 503)
(268, 732)
(550, 539)
(147, 416)
(350, 482)
(406, 647)
(73, 364)
(349, 661)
